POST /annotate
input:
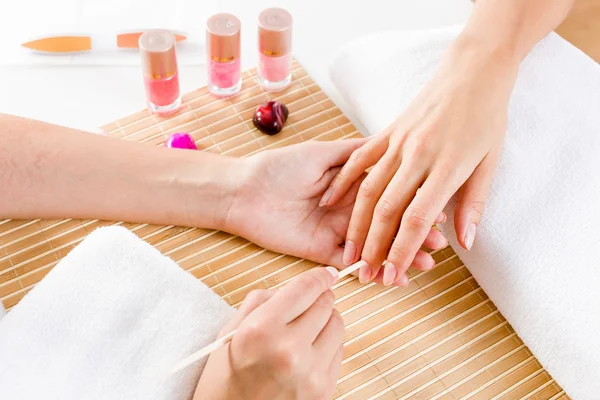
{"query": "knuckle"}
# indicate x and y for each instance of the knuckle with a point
(325, 301)
(397, 253)
(416, 218)
(422, 146)
(256, 297)
(386, 210)
(254, 331)
(337, 323)
(285, 360)
(367, 188)
(447, 171)
(478, 207)
(311, 282)
(357, 157)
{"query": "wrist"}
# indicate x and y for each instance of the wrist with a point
(207, 185)
(495, 57)
(234, 213)
(488, 70)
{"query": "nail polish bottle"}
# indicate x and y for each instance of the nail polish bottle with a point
(274, 49)
(159, 67)
(223, 51)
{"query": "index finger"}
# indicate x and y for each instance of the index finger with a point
(300, 293)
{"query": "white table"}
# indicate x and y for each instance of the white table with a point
(88, 96)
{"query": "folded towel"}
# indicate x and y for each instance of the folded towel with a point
(103, 324)
(535, 251)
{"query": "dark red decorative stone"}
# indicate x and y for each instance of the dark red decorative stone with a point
(270, 117)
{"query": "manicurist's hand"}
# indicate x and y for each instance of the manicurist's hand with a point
(288, 344)
(276, 203)
(447, 141)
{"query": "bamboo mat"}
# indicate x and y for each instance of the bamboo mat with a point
(439, 338)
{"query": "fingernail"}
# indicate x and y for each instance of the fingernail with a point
(430, 264)
(374, 273)
(326, 197)
(441, 218)
(364, 274)
(389, 274)
(333, 271)
(349, 252)
(402, 281)
(470, 235)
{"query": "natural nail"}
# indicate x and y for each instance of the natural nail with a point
(389, 274)
(374, 273)
(349, 252)
(430, 264)
(333, 271)
(441, 218)
(402, 280)
(326, 197)
(470, 235)
(364, 274)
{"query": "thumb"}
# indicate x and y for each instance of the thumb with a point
(326, 179)
(337, 152)
(471, 201)
(253, 300)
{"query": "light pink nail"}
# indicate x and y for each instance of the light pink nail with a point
(441, 218)
(389, 274)
(470, 235)
(430, 263)
(402, 280)
(326, 197)
(333, 271)
(349, 252)
(364, 274)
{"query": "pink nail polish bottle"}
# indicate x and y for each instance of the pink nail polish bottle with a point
(274, 49)
(159, 67)
(223, 51)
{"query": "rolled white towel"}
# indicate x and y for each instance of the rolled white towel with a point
(105, 322)
(535, 253)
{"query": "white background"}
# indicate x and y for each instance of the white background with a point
(86, 91)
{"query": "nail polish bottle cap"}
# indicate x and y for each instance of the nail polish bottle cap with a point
(223, 37)
(275, 32)
(157, 48)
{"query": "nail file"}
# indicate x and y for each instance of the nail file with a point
(78, 43)
(203, 352)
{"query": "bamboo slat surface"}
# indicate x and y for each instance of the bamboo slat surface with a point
(440, 338)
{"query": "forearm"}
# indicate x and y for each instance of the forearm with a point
(48, 171)
(508, 29)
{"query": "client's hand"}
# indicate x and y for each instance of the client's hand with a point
(448, 140)
(277, 201)
(288, 345)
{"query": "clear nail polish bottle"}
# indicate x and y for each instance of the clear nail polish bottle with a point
(223, 51)
(274, 49)
(159, 67)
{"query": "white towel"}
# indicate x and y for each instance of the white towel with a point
(104, 322)
(536, 250)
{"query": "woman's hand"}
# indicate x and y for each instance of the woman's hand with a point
(276, 204)
(288, 344)
(447, 141)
